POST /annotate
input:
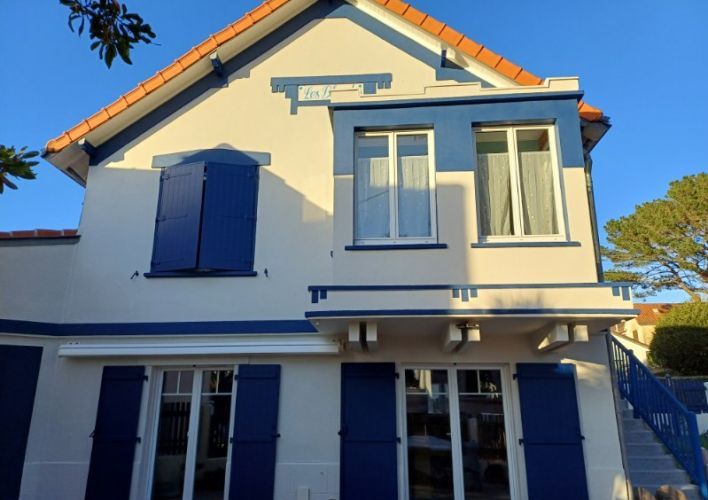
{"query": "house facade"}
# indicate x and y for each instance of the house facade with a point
(336, 251)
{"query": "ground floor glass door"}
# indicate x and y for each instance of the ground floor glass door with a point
(192, 444)
(456, 434)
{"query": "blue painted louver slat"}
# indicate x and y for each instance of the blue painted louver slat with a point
(115, 433)
(229, 220)
(178, 218)
(19, 369)
(255, 433)
(368, 462)
(553, 448)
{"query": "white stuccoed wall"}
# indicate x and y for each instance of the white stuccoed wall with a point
(308, 451)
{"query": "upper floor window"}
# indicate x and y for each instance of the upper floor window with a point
(394, 193)
(518, 187)
(206, 219)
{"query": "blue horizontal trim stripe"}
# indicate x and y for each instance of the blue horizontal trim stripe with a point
(436, 101)
(216, 155)
(198, 274)
(357, 288)
(471, 312)
(181, 328)
(514, 244)
(421, 246)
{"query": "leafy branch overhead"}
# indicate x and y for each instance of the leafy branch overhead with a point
(115, 31)
(662, 245)
(17, 164)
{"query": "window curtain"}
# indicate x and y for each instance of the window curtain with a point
(494, 194)
(372, 198)
(537, 194)
(413, 197)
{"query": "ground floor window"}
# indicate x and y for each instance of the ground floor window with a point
(456, 434)
(192, 442)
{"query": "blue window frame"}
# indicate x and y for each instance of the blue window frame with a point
(206, 220)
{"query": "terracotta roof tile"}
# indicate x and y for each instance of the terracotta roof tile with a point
(451, 36)
(431, 25)
(488, 57)
(117, 106)
(414, 16)
(650, 314)
(399, 7)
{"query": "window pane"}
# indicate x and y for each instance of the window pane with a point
(536, 178)
(484, 459)
(413, 186)
(429, 442)
(494, 184)
(467, 381)
(372, 188)
(172, 432)
(185, 382)
(213, 439)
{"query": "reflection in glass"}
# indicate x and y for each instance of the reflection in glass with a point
(172, 432)
(413, 186)
(494, 184)
(536, 179)
(429, 442)
(213, 441)
(372, 188)
(484, 458)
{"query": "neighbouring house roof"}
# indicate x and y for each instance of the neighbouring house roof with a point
(37, 233)
(412, 15)
(649, 314)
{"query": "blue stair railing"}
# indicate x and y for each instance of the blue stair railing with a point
(670, 420)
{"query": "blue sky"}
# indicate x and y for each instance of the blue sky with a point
(644, 62)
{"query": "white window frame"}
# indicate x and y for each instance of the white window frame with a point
(394, 239)
(510, 423)
(516, 203)
(154, 419)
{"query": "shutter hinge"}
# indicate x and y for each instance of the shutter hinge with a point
(145, 378)
(93, 434)
(235, 376)
(138, 439)
(515, 376)
(398, 375)
(231, 440)
(398, 439)
(521, 441)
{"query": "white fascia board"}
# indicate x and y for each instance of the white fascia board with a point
(291, 345)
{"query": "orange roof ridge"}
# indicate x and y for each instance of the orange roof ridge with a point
(441, 30)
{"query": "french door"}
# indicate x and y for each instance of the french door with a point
(457, 434)
(193, 422)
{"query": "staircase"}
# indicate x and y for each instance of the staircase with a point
(650, 464)
(660, 435)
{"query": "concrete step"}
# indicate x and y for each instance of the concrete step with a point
(641, 436)
(658, 463)
(645, 450)
(633, 424)
(675, 476)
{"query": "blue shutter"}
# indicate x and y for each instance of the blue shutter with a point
(115, 433)
(255, 432)
(555, 467)
(178, 218)
(19, 369)
(368, 450)
(229, 220)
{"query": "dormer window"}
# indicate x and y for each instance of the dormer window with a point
(518, 186)
(394, 188)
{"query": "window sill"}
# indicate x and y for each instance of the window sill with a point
(530, 244)
(403, 246)
(197, 274)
